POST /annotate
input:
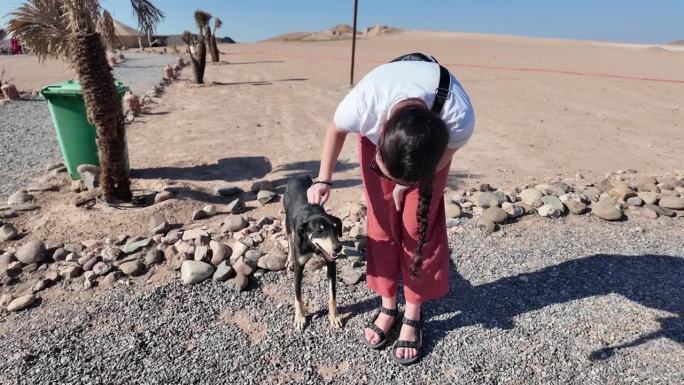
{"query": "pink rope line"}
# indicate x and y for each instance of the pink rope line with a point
(485, 67)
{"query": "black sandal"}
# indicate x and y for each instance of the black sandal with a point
(418, 326)
(372, 326)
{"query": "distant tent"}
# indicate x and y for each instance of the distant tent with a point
(128, 36)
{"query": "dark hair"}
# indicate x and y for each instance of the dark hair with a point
(413, 142)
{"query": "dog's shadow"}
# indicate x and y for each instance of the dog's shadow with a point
(654, 281)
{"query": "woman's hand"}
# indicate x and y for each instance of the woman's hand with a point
(398, 195)
(318, 193)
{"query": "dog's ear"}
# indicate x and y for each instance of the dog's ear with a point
(337, 222)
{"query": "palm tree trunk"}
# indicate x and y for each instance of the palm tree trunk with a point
(215, 57)
(211, 41)
(104, 110)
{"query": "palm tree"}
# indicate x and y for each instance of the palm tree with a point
(78, 30)
(213, 48)
(199, 59)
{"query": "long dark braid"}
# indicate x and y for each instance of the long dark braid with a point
(411, 146)
(425, 197)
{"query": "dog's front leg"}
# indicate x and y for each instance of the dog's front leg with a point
(299, 318)
(332, 295)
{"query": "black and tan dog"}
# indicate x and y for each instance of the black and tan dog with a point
(310, 231)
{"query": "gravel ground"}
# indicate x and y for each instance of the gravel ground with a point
(27, 139)
(570, 301)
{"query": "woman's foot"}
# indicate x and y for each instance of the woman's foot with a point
(384, 321)
(408, 333)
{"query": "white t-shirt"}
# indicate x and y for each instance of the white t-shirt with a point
(368, 105)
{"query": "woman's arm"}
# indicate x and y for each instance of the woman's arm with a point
(332, 146)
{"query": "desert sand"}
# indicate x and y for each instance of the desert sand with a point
(546, 108)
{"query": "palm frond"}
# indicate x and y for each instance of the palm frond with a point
(105, 26)
(187, 37)
(41, 26)
(202, 19)
(147, 14)
(83, 15)
(217, 23)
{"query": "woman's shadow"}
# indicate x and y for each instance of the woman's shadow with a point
(653, 281)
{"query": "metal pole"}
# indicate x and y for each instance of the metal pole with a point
(356, 7)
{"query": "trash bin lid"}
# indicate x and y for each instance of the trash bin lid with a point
(73, 88)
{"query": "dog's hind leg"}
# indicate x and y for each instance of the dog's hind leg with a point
(332, 295)
(299, 317)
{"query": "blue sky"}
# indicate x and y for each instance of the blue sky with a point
(640, 21)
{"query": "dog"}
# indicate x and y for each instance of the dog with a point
(310, 231)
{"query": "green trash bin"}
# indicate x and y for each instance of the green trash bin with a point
(76, 136)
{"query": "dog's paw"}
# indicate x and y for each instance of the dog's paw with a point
(335, 321)
(299, 321)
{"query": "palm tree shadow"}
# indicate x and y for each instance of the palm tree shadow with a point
(226, 169)
(653, 281)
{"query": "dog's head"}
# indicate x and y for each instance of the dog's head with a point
(324, 232)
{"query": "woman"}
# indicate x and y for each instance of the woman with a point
(408, 132)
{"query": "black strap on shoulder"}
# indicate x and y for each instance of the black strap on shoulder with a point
(442, 92)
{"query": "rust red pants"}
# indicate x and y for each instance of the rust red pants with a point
(393, 236)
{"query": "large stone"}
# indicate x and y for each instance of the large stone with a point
(228, 191)
(234, 223)
(265, 196)
(132, 268)
(491, 199)
(5, 259)
(495, 214)
(111, 278)
(8, 232)
(159, 224)
(194, 234)
(134, 246)
(252, 256)
(239, 282)
(548, 211)
(70, 271)
(153, 257)
(219, 252)
(262, 185)
(532, 197)
(193, 272)
(237, 206)
(453, 211)
(90, 264)
(576, 207)
(202, 253)
(645, 184)
(41, 285)
(102, 268)
(592, 193)
(554, 202)
(19, 197)
(513, 210)
(559, 188)
(668, 183)
(634, 201)
(243, 267)
(351, 276)
(21, 303)
(605, 210)
(648, 212)
(486, 225)
(621, 192)
(273, 261)
(239, 249)
(223, 272)
(671, 202)
(662, 211)
(162, 196)
(31, 252)
(604, 185)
